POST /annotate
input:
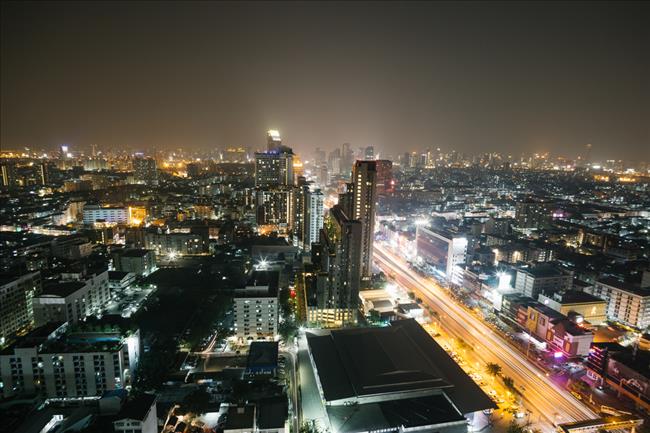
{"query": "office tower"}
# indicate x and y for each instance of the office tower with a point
(273, 139)
(385, 181)
(8, 174)
(193, 169)
(274, 168)
(319, 157)
(44, 173)
(364, 190)
(347, 158)
(145, 170)
(312, 217)
(369, 153)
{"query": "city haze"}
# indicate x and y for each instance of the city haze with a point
(504, 77)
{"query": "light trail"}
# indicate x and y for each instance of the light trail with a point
(549, 403)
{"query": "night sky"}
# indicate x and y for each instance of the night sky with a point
(474, 77)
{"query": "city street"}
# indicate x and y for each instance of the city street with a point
(548, 403)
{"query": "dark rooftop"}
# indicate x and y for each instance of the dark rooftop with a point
(272, 413)
(137, 407)
(262, 354)
(63, 289)
(628, 287)
(411, 412)
(134, 252)
(240, 417)
(403, 357)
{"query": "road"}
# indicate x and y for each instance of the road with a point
(549, 404)
(291, 358)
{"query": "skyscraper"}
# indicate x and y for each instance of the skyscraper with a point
(369, 153)
(312, 217)
(385, 181)
(364, 190)
(145, 170)
(273, 139)
(8, 174)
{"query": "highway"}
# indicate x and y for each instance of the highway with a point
(548, 403)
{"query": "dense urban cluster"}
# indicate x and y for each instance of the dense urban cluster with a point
(251, 289)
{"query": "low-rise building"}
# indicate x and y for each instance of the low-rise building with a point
(583, 305)
(120, 279)
(626, 303)
(256, 307)
(138, 261)
(531, 281)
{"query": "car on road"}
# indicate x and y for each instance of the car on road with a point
(576, 395)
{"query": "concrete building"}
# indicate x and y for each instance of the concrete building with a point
(145, 170)
(274, 167)
(54, 362)
(72, 300)
(16, 294)
(587, 307)
(387, 379)
(364, 202)
(181, 243)
(256, 307)
(532, 281)
(94, 213)
(313, 218)
(444, 250)
(274, 209)
(626, 303)
(137, 261)
(532, 214)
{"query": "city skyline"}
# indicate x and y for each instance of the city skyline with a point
(468, 77)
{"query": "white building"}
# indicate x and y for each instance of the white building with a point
(542, 279)
(444, 250)
(72, 299)
(626, 303)
(256, 307)
(53, 362)
(16, 295)
(313, 217)
(94, 213)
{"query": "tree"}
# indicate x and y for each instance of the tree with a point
(493, 369)
(513, 427)
(287, 330)
(374, 316)
(510, 384)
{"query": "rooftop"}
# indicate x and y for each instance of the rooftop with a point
(240, 417)
(623, 285)
(137, 408)
(262, 354)
(401, 358)
(63, 289)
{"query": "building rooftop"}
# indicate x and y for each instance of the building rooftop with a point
(135, 252)
(543, 271)
(397, 359)
(262, 354)
(63, 289)
(137, 408)
(272, 413)
(240, 417)
(117, 275)
(622, 285)
(409, 413)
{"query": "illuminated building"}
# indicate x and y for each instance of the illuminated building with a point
(16, 293)
(542, 279)
(274, 168)
(532, 214)
(256, 307)
(95, 213)
(444, 250)
(273, 139)
(364, 198)
(626, 303)
(145, 170)
(274, 208)
(8, 169)
(52, 361)
(385, 180)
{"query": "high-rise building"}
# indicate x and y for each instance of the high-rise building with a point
(364, 182)
(274, 207)
(332, 293)
(312, 217)
(273, 139)
(8, 169)
(385, 181)
(44, 173)
(16, 294)
(145, 170)
(532, 214)
(369, 153)
(274, 168)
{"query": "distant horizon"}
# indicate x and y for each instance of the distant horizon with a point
(473, 77)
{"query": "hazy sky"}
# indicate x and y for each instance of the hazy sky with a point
(475, 77)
